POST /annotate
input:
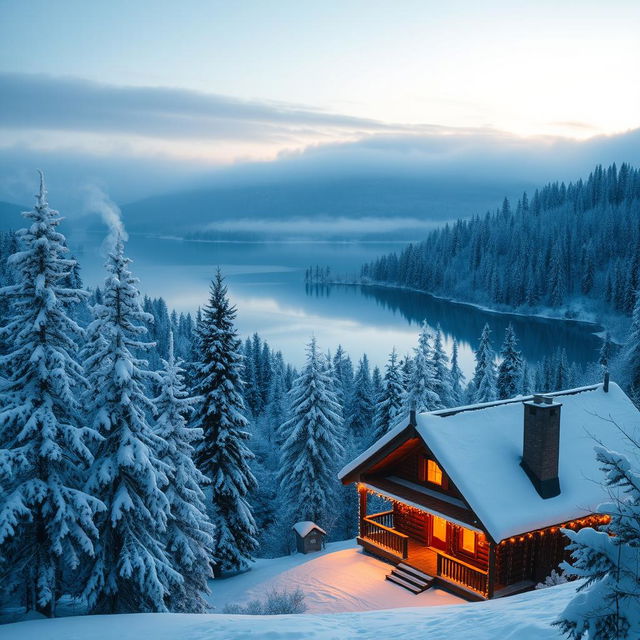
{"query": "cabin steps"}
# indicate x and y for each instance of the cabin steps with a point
(415, 572)
(411, 579)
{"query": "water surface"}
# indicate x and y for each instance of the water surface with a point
(266, 282)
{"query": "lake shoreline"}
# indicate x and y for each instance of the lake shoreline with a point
(480, 307)
(266, 282)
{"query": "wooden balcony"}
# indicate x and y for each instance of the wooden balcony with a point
(378, 536)
(462, 573)
(378, 529)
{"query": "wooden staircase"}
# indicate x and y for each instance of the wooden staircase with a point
(409, 578)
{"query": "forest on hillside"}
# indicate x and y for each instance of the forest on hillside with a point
(142, 451)
(568, 247)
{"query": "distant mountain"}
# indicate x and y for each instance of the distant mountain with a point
(10, 217)
(327, 207)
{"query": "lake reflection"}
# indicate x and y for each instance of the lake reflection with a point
(266, 282)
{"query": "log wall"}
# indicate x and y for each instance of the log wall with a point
(530, 557)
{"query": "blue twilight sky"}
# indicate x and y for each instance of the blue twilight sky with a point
(207, 83)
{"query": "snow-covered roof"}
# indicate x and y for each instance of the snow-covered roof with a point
(481, 452)
(480, 448)
(303, 529)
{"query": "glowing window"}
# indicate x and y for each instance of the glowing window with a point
(434, 472)
(439, 528)
(468, 541)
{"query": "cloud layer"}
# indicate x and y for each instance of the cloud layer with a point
(31, 101)
(135, 142)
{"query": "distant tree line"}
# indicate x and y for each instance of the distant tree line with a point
(566, 244)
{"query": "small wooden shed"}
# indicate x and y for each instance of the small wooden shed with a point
(309, 536)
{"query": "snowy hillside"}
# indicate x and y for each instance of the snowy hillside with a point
(524, 617)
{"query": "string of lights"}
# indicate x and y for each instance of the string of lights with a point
(588, 521)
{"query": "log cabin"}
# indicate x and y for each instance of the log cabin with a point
(476, 497)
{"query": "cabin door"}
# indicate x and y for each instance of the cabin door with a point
(438, 532)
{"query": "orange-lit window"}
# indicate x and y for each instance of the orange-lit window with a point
(439, 528)
(434, 472)
(468, 541)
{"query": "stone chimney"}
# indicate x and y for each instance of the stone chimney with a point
(541, 450)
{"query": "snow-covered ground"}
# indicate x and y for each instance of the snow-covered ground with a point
(347, 598)
(524, 617)
(339, 579)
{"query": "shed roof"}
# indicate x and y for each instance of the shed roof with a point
(303, 529)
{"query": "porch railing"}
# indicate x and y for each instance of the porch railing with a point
(378, 528)
(462, 573)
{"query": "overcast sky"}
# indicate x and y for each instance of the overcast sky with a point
(175, 88)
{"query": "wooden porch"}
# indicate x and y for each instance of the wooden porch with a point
(379, 537)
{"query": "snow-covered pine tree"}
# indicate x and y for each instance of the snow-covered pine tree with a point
(390, 400)
(250, 388)
(604, 357)
(526, 380)
(223, 456)
(343, 380)
(278, 404)
(46, 519)
(422, 394)
(561, 378)
(406, 371)
(456, 376)
(607, 604)
(440, 363)
(132, 571)
(376, 383)
(483, 385)
(510, 369)
(312, 447)
(189, 535)
(363, 406)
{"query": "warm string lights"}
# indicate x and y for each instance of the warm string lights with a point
(407, 508)
(398, 503)
(589, 521)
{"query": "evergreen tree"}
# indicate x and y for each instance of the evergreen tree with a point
(608, 601)
(222, 454)
(406, 370)
(132, 571)
(265, 373)
(561, 369)
(390, 400)
(604, 357)
(483, 385)
(526, 379)
(376, 383)
(456, 376)
(46, 519)
(312, 449)
(250, 388)
(422, 395)
(343, 380)
(510, 369)
(440, 363)
(189, 535)
(361, 418)
(277, 405)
